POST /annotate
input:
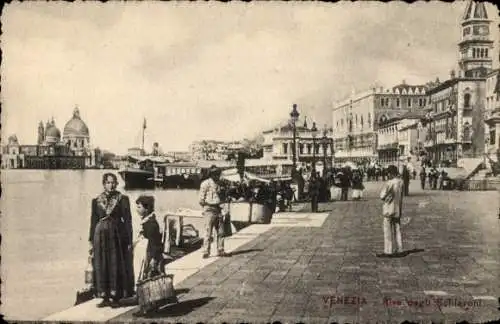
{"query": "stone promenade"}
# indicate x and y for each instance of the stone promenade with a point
(450, 271)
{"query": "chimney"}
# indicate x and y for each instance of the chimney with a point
(404, 81)
(452, 74)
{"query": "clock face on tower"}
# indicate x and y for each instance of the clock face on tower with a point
(484, 30)
(481, 30)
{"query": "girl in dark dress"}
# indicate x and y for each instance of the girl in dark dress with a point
(110, 240)
(153, 262)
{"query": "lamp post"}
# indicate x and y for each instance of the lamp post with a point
(314, 133)
(294, 116)
(324, 141)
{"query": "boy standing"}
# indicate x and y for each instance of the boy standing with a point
(153, 263)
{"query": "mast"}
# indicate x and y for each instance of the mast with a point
(143, 130)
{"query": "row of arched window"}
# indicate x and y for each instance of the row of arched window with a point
(355, 121)
(384, 102)
(302, 148)
(479, 52)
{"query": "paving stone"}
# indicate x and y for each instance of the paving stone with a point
(299, 267)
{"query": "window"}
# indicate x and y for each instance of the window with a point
(361, 121)
(356, 118)
(467, 100)
(409, 102)
(285, 148)
(485, 52)
(369, 119)
(474, 53)
(309, 146)
(492, 137)
(387, 101)
(397, 102)
(382, 101)
(301, 148)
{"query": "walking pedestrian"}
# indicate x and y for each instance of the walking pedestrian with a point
(405, 175)
(435, 178)
(431, 177)
(357, 185)
(211, 202)
(392, 197)
(314, 189)
(344, 185)
(423, 175)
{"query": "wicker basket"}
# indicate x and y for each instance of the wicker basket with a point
(155, 292)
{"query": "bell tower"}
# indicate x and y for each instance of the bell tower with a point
(476, 45)
(41, 133)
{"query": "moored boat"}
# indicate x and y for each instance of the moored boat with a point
(140, 173)
(179, 175)
(136, 178)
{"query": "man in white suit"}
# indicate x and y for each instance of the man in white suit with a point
(392, 197)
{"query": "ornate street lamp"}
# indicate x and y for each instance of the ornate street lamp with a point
(314, 133)
(294, 116)
(324, 141)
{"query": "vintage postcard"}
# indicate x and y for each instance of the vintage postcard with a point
(250, 162)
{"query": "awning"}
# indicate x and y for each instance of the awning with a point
(233, 176)
(154, 159)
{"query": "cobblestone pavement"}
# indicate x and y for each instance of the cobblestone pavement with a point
(331, 274)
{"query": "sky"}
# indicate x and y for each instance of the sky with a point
(209, 70)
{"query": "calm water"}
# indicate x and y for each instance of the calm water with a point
(45, 223)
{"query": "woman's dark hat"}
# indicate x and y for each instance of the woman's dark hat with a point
(214, 170)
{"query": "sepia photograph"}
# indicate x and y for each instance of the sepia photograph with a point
(250, 162)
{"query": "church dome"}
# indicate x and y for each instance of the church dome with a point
(75, 126)
(53, 131)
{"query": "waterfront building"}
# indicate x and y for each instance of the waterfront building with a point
(12, 158)
(492, 114)
(213, 150)
(456, 130)
(135, 151)
(278, 144)
(357, 118)
(179, 155)
(400, 137)
(53, 151)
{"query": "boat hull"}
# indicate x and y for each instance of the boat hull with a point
(137, 179)
(181, 182)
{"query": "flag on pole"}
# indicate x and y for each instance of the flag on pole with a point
(144, 125)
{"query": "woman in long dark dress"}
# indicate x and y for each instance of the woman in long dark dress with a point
(111, 238)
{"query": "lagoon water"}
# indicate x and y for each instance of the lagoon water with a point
(45, 218)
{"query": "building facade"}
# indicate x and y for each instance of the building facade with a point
(53, 151)
(400, 137)
(457, 106)
(357, 119)
(492, 114)
(212, 150)
(278, 144)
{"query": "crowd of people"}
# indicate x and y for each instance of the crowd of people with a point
(110, 237)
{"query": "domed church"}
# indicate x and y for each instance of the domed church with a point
(76, 135)
(72, 150)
